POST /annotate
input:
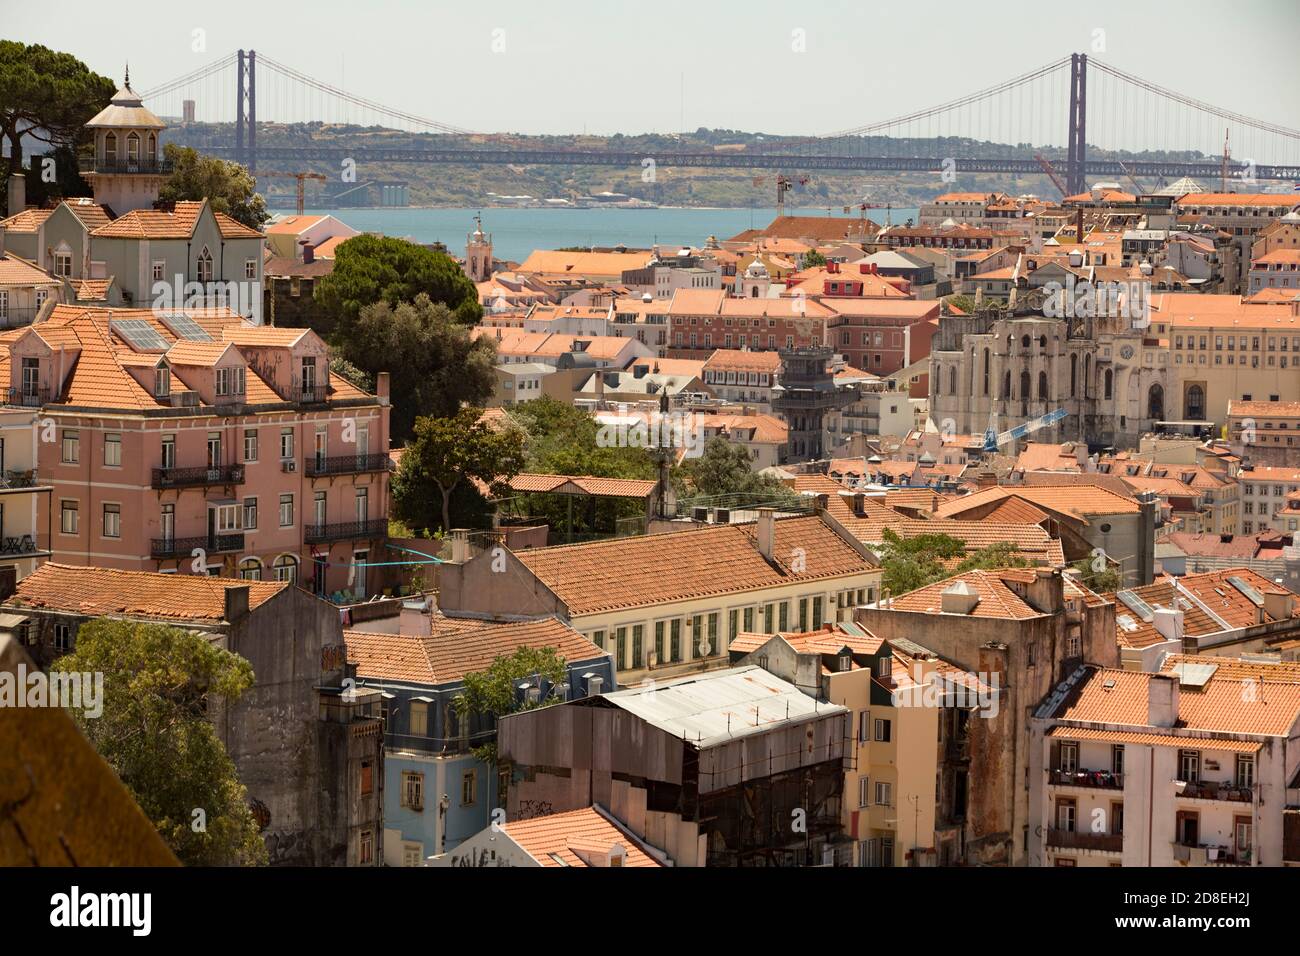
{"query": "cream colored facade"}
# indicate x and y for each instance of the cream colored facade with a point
(24, 537)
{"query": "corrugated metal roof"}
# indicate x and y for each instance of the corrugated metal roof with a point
(713, 708)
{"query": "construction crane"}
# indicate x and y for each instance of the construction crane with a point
(301, 177)
(1052, 174)
(993, 441)
(783, 185)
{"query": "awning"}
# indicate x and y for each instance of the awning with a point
(9, 622)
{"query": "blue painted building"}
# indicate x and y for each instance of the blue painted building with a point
(436, 792)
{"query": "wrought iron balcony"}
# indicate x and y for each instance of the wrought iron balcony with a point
(1205, 790)
(184, 547)
(1092, 779)
(345, 464)
(18, 479)
(18, 545)
(157, 167)
(306, 393)
(346, 531)
(29, 397)
(198, 477)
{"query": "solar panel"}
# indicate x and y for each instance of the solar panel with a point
(1240, 584)
(1138, 606)
(140, 335)
(185, 327)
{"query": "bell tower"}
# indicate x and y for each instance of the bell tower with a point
(478, 253)
(127, 170)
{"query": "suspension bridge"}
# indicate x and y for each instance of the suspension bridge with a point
(1073, 119)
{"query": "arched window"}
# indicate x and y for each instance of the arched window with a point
(1087, 374)
(753, 292)
(952, 380)
(938, 380)
(110, 148)
(1074, 375)
(1156, 403)
(1006, 384)
(1109, 382)
(1042, 342)
(986, 371)
(1042, 386)
(1024, 385)
(133, 147)
(153, 148)
(286, 568)
(1195, 403)
(205, 265)
(1024, 341)
(250, 569)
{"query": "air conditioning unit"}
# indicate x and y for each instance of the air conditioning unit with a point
(289, 464)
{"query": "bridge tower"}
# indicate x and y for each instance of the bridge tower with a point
(1076, 167)
(246, 110)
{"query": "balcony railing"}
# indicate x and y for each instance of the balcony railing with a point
(198, 477)
(18, 545)
(1077, 840)
(91, 164)
(307, 393)
(1093, 779)
(345, 464)
(184, 547)
(29, 397)
(346, 531)
(18, 479)
(1218, 791)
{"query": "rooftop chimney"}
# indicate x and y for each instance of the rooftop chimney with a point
(308, 252)
(1162, 700)
(766, 531)
(382, 387)
(459, 545)
(236, 603)
(1168, 622)
(17, 193)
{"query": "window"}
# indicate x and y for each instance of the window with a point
(250, 268)
(1189, 765)
(250, 444)
(864, 726)
(63, 265)
(112, 521)
(1117, 759)
(1245, 775)
(157, 271)
(113, 450)
(71, 446)
(367, 778)
(419, 720)
(1073, 646)
(230, 380)
(250, 569)
(884, 793)
(68, 520)
(162, 381)
(286, 443)
(882, 730)
(286, 568)
(286, 511)
(638, 642)
(468, 788)
(864, 792)
(367, 846)
(412, 790)
(250, 514)
(1069, 757)
(62, 638)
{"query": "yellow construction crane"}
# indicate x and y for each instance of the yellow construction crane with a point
(301, 177)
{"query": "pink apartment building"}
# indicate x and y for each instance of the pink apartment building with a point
(193, 442)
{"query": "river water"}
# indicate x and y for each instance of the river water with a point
(517, 232)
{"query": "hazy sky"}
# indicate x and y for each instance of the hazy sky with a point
(611, 65)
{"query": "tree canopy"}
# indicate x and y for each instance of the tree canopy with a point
(725, 469)
(911, 563)
(812, 259)
(155, 733)
(370, 269)
(434, 363)
(494, 691)
(228, 186)
(46, 96)
(446, 455)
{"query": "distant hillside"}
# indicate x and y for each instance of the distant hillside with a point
(470, 185)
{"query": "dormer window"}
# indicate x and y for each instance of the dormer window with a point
(162, 381)
(230, 380)
(846, 663)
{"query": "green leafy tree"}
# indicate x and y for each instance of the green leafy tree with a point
(155, 733)
(228, 186)
(48, 97)
(370, 269)
(1105, 581)
(1004, 554)
(724, 468)
(434, 363)
(447, 454)
(812, 259)
(494, 692)
(911, 563)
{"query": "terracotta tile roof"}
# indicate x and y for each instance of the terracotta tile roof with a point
(1154, 740)
(197, 353)
(602, 264)
(750, 428)
(725, 360)
(91, 290)
(1115, 696)
(1264, 409)
(996, 598)
(820, 228)
(827, 640)
(582, 485)
(92, 214)
(176, 223)
(1076, 501)
(1215, 596)
(262, 335)
(292, 225)
(458, 646)
(17, 271)
(675, 566)
(1017, 511)
(109, 591)
(27, 221)
(573, 835)
(1239, 199)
